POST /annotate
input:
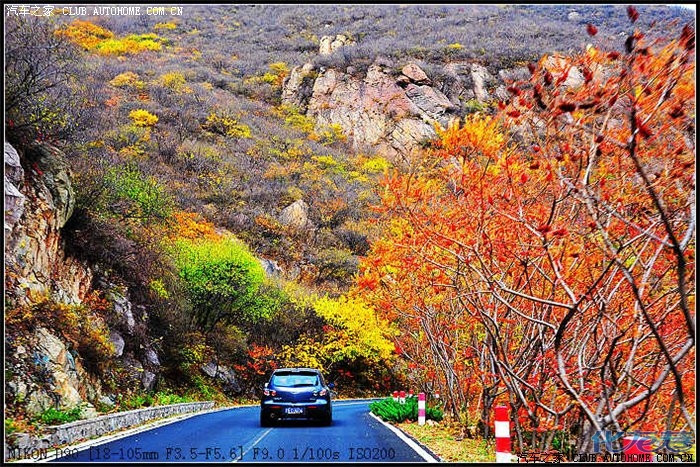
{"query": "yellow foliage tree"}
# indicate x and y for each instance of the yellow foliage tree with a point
(96, 38)
(126, 79)
(85, 33)
(143, 118)
(174, 80)
(364, 333)
(192, 226)
(226, 125)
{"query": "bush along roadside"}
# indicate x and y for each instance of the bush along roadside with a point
(393, 411)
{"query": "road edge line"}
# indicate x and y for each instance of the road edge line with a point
(406, 439)
(128, 432)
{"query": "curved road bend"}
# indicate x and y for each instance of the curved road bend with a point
(236, 436)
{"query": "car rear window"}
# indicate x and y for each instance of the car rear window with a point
(294, 379)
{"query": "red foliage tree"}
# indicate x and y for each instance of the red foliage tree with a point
(545, 256)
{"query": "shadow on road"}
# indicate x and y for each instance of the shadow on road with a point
(305, 424)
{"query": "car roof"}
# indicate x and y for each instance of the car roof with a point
(315, 370)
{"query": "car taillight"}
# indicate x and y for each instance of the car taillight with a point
(321, 393)
(270, 392)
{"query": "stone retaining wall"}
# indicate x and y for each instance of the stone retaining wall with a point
(69, 433)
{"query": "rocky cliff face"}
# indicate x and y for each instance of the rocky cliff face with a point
(394, 111)
(45, 369)
(386, 111)
(39, 201)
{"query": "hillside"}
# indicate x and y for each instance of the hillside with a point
(194, 200)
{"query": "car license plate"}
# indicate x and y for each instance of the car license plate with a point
(294, 410)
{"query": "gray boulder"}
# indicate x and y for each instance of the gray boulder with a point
(430, 101)
(118, 341)
(13, 168)
(210, 369)
(414, 73)
(148, 380)
(481, 79)
(272, 269)
(56, 176)
(107, 401)
(152, 358)
(14, 199)
(122, 307)
(296, 215)
(225, 375)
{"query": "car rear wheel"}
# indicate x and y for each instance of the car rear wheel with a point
(265, 419)
(327, 419)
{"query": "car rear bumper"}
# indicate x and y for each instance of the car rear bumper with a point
(278, 410)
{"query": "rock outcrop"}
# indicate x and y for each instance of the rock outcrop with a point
(481, 79)
(34, 254)
(46, 370)
(299, 87)
(14, 199)
(395, 112)
(384, 111)
(296, 215)
(225, 375)
(271, 267)
(330, 44)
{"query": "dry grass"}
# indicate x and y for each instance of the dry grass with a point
(441, 439)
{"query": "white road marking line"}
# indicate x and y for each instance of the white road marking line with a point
(253, 445)
(412, 444)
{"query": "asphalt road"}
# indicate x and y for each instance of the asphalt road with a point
(236, 436)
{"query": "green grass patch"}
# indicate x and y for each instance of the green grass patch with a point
(392, 411)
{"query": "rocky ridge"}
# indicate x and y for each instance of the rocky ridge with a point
(394, 112)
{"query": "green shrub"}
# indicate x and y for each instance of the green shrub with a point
(223, 282)
(136, 195)
(10, 426)
(136, 401)
(56, 416)
(167, 398)
(129, 139)
(473, 106)
(392, 411)
(336, 264)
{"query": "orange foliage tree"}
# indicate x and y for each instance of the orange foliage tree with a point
(545, 256)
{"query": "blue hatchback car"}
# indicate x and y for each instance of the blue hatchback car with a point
(296, 393)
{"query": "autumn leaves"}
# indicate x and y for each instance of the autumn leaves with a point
(543, 251)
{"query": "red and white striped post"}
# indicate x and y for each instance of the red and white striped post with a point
(502, 430)
(402, 397)
(395, 395)
(421, 408)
